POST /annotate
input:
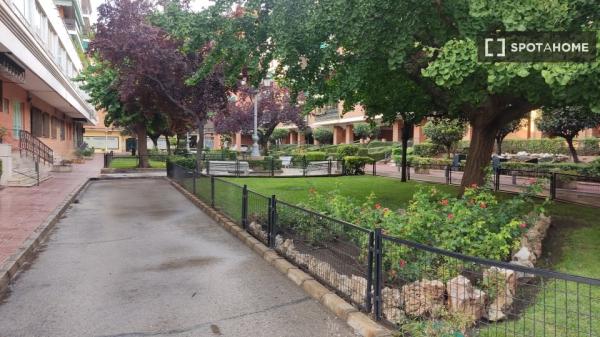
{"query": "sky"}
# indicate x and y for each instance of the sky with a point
(195, 4)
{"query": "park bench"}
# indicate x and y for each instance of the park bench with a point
(286, 161)
(228, 167)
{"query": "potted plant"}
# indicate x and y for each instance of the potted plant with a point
(3, 133)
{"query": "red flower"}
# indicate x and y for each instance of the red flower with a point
(444, 202)
(523, 225)
(450, 216)
(483, 205)
(473, 185)
(377, 206)
(402, 263)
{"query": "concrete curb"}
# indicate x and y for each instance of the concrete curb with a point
(361, 323)
(11, 267)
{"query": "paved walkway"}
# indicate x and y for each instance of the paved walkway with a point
(136, 258)
(23, 209)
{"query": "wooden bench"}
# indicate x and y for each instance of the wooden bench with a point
(228, 168)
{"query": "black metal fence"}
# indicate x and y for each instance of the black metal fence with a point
(420, 290)
(573, 188)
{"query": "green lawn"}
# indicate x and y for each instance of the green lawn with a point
(573, 247)
(128, 162)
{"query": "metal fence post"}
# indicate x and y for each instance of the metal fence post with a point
(212, 191)
(245, 206)
(497, 182)
(378, 305)
(329, 167)
(37, 172)
(208, 167)
(374, 168)
(272, 221)
(304, 165)
(194, 179)
(407, 171)
(369, 294)
(448, 178)
(553, 186)
(237, 168)
(272, 166)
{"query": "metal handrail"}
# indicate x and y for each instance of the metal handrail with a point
(32, 145)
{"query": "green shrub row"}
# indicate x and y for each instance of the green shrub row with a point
(355, 165)
(585, 146)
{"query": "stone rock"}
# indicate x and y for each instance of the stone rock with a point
(464, 299)
(521, 276)
(503, 282)
(343, 284)
(359, 288)
(523, 255)
(392, 302)
(423, 298)
(278, 242)
(256, 229)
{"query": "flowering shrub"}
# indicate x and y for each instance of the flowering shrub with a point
(476, 224)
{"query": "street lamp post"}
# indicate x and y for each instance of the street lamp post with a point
(255, 148)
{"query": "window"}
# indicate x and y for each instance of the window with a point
(37, 123)
(62, 130)
(17, 119)
(45, 125)
(53, 127)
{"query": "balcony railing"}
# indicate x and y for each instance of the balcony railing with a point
(326, 113)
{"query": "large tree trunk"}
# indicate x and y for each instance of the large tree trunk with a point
(140, 130)
(200, 142)
(572, 150)
(168, 143)
(154, 138)
(405, 134)
(480, 152)
(499, 146)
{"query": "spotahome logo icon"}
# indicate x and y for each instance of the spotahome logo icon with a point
(538, 47)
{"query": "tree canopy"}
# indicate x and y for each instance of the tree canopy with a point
(419, 57)
(567, 122)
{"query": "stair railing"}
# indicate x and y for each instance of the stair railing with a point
(31, 145)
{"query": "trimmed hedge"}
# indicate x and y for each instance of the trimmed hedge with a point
(427, 149)
(346, 150)
(187, 162)
(355, 165)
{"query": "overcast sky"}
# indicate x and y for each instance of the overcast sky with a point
(195, 4)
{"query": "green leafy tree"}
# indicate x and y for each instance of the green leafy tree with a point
(504, 131)
(426, 48)
(366, 130)
(323, 135)
(567, 122)
(279, 134)
(445, 132)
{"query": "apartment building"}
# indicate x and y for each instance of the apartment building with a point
(43, 111)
